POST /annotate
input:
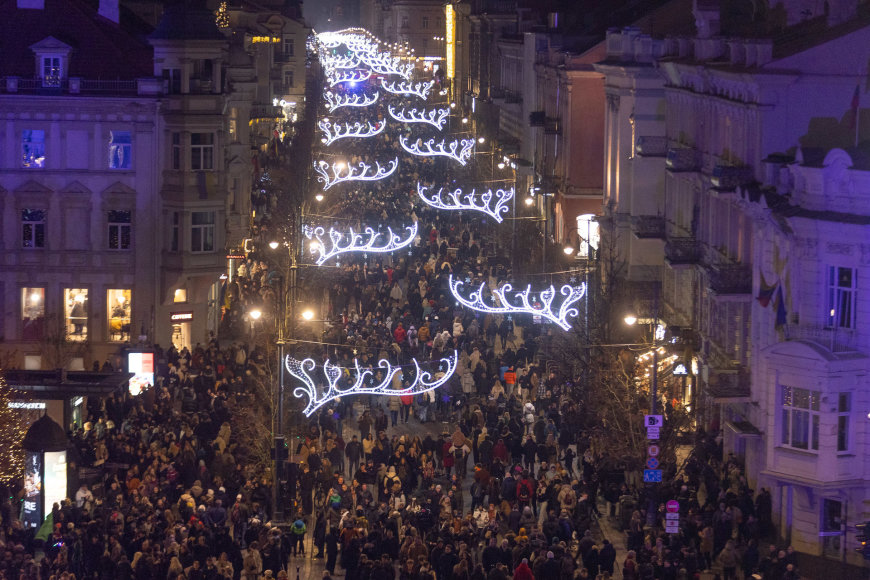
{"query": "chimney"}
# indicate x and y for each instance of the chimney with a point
(31, 4)
(109, 10)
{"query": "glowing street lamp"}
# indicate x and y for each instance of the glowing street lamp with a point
(308, 314)
(273, 245)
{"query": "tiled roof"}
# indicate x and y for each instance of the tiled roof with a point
(101, 49)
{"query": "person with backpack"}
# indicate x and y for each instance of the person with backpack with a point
(525, 489)
(298, 533)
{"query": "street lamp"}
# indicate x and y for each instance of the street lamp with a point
(631, 319)
(319, 197)
(569, 250)
(308, 314)
(273, 245)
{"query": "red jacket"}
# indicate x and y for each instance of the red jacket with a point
(523, 572)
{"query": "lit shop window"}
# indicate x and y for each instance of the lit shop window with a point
(33, 148)
(120, 150)
(32, 313)
(118, 309)
(75, 302)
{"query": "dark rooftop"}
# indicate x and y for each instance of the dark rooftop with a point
(188, 20)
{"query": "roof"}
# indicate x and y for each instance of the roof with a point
(187, 20)
(101, 49)
(53, 385)
(45, 435)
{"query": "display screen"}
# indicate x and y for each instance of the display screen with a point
(54, 478)
(141, 364)
(32, 509)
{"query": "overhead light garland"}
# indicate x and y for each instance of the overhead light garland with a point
(435, 117)
(459, 150)
(364, 380)
(384, 64)
(340, 62)
(509, 301)
(334, 132)
(408, 88)
(335, 101)
(368, 240)
(491, 202)
(331, 175)
(348, 77)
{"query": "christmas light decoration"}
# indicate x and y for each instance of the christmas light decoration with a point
(337, 101)
(331, 175)
(408, 88)
(332, 63)
(12, 432)
(493, 203)
(457, 150)
(377, 380)
(334, 132)
(368, 240)
(222, 17)
(348, 77)
(435, 117)
(384, 64)
(509, 301)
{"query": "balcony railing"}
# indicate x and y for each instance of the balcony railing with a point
(553, 126)
(730, 279)
(682, 159)
(684, 250)
(728, 177)
(837, 340)
(648, 146)
(266, 112)
(648, 226)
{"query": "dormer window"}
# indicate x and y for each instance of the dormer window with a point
(52, 61)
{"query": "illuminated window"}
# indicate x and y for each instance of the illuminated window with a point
(180, 295)
(233, 125)
(33, 228)
(842, 297)
(75, 304)
(120, 150)
(201, 151)
(202, 231)
(118, 310)
(119, 230)
(32, 313)
(33, 148)
(51, 71)
(176, 151)
(800, 418)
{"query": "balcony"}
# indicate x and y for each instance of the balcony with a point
(682, 251)
(730, 279)
(728, 177)
(263, 112)
(648, 226)
(834, 339)
(682, 159)
(648, 146)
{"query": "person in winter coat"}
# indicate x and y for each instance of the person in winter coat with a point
(523, 572)
(529, 417)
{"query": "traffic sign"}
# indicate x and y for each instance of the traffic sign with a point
(652, 421)
(673, 506)
(670, 516)
(652, 450)
(652, 463)
(652, 475)
(652, 433)
(672, 527)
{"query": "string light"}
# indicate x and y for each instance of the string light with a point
(435, 117)
(365, 241)
(407, 88)
(483, 202)
(323, 168)
(348, 77)
(337, 101)
(459, 150)
(334, 132)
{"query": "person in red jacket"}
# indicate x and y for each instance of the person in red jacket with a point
(523, 572)
(399, 334)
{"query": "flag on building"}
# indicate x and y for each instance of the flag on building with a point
(765, 291)
(779, 306)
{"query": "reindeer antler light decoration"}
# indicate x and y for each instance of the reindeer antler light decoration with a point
(491, 202)
(408, 88)
(510, 301)
(337, 101)
(435, 117)
(459, 150)
(336, 131)
(331, 175)
(355, 76)
(368, 240)
(359, 380)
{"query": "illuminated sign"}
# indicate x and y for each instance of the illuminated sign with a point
(181, 316)
(377, 380)
(54, 478)
(236, 256)
(450, 40)
(141, 364)
(265, 39)
(365, 241)
(506, 300)
(25, 405)
(492, 203)
(681, 370)
(32, 512)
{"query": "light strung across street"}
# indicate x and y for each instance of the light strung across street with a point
(332, 63)
(384, 64)
(356, 76)
(458, 150)
(510, 301)
(334, 132)
(364, 380)
(368, 240)
(491, 202)
(435, 117)
(335, 101)
(331, 175)
(408, 88)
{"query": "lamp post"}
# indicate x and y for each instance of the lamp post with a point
(631, 320)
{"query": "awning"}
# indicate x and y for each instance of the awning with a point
(743, 428)
(53, 385)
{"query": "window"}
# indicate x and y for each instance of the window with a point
(172, 77)
(180, 295)
(32, 313)
(176, 231)
(119, 230)
(33, 148)
(202, 231)
(201, 151)
(33, 228)
(842, 295)
(233, 125)
(404, 21)
(844, 409)
(288, 46)
(425, 22)
(118, 311)
(75, 309)
(120, 150)
(800, 418)
(176, 151)
(51, 71)
(288, 80)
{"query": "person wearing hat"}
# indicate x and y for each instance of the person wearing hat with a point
(297, 531)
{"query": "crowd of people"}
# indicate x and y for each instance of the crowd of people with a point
(495, 480)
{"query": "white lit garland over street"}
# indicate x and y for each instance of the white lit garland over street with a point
(335, 173)
(348, 77)
(458, 150)
(334, 101)
(435, 117)
(408, 88)
(368, 240)
(334, 132)
(491, 202)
